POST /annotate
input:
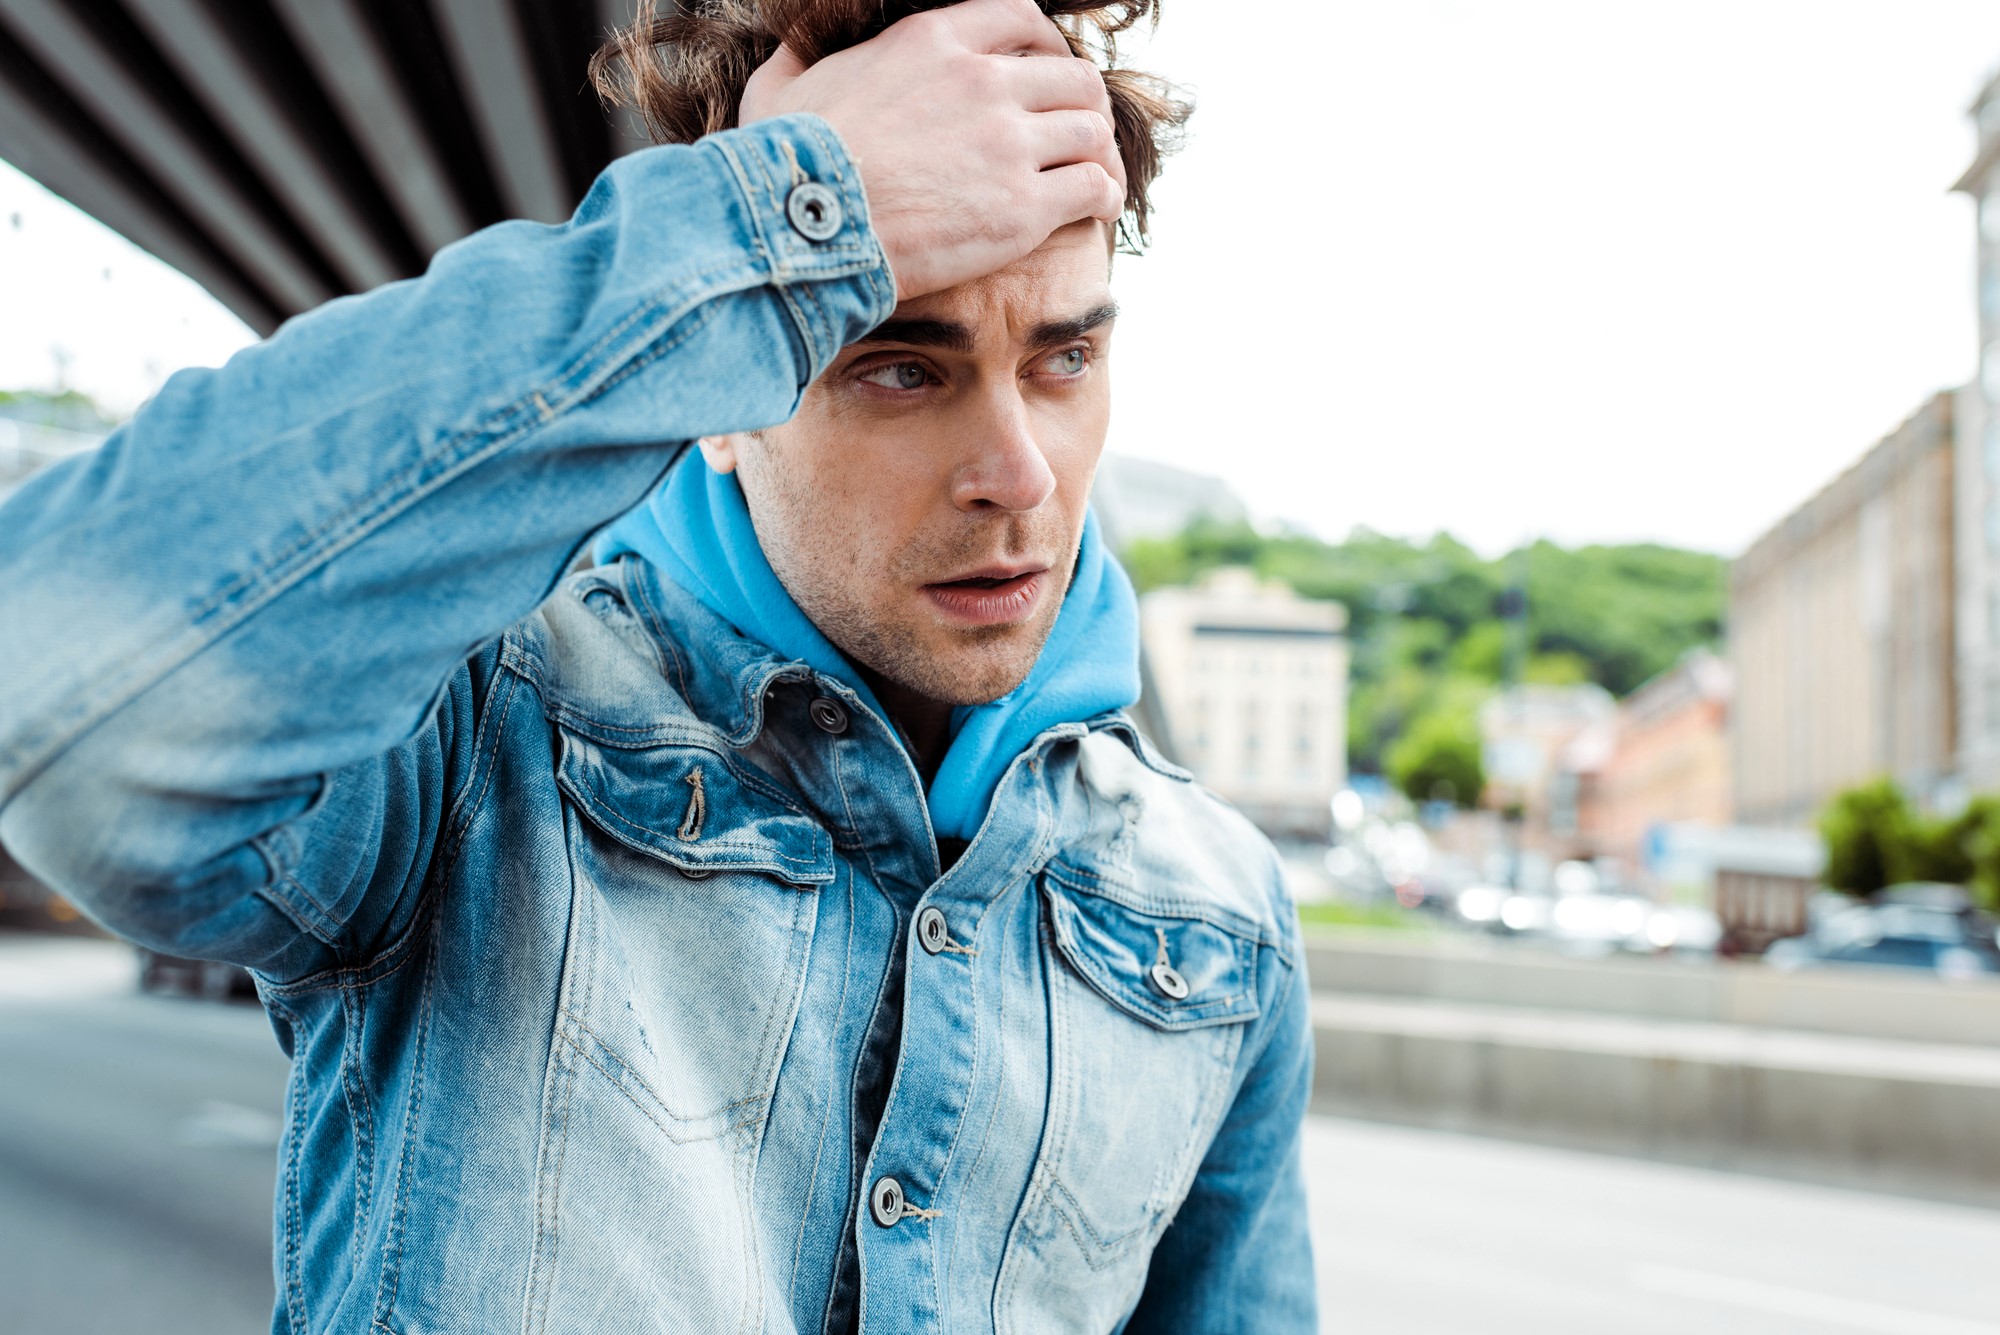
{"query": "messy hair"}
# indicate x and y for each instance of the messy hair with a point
(685, 71)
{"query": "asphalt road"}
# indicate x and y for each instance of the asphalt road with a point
(136, 1160)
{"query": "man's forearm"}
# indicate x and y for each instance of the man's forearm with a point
(271, 571)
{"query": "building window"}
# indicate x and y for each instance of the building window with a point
(1989, 216)
(1989, 372)
(1989, 295)
(1993, 451)
(1993, 526)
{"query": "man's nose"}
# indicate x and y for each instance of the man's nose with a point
(1005, 468)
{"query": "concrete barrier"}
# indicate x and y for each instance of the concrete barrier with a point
(1922, 1119)
(1476, 970)
(1887, 1084)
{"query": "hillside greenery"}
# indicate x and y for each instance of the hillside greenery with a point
(1430, 644)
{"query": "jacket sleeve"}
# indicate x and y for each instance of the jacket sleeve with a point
(1237, 1259)
(268, 594)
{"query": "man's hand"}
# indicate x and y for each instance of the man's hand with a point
(970, 156)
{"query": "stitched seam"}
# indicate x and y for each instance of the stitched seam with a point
(361, 1116)
(364, 975)
(819, 1149)
(702, 738)
(1084, 881)
(796, 964)
(295, 910)
(999, 1027)
(1108, 985)
(392, 1247)
(548, 1181)
(635, 581)
(678, 1138)
(485, 743)
(767, 850)
(668, 1109)
(295, 1304)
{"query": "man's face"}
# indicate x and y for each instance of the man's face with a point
(925, 505)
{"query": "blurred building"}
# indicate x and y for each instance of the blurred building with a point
(1531, 737)
(1842, 633)
(1977, 471)
(1662, 761)
(1254, 682)
(1139, 498)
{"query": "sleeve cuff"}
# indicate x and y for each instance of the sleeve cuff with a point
(804, 196)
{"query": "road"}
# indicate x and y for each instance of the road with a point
(136, 1152)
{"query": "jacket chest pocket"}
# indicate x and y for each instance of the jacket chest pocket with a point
(695, 892)
(693, 896)
(1148, 1004)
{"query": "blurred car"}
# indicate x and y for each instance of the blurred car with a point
(1916, 928)
(202, 978)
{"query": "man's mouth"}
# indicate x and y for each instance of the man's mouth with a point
(992, 597)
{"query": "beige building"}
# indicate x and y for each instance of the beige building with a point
(1978, 478)
(1842, 633)
(1254, 682)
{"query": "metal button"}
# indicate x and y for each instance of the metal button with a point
(828, 714)
(885, 1202)
(932, 931)
(1168, 979)
(814, 211)
(695, 873)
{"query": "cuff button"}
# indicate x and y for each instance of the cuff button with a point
(814, 211)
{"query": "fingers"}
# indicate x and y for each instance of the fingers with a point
(1064, 137)
(1054, 85)
(1078, 191)
(1003, 27)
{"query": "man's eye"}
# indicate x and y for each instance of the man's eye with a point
(1070, 361)
(899, 375)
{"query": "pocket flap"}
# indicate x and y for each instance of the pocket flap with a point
(1212, 971)
(694, 808)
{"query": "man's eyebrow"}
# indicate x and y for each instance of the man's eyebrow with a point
(952, 336)
(1068, 331)
(946, 334)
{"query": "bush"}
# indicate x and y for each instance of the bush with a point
(1874, 838)
(1438, 759)
(1865, 829)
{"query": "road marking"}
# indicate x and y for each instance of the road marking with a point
(1778, 1300)
(228, 1126)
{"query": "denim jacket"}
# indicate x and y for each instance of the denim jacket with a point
(623, 988)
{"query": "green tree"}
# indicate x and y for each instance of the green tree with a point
(1438, 759)
(1866, 830)
(1421, 615)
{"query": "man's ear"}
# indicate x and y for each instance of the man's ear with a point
(720, 451)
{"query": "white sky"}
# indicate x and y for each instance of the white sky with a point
(1588, 269)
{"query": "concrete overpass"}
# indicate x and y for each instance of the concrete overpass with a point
(282, 152)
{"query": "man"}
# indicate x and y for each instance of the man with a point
(776, 926)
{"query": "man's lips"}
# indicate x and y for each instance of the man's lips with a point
(993, 596)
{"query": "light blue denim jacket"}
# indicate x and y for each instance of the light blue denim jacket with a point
(597, 932)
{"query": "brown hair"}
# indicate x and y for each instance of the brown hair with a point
(685, 72)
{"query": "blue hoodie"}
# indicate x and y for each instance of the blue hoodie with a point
(696, 529)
